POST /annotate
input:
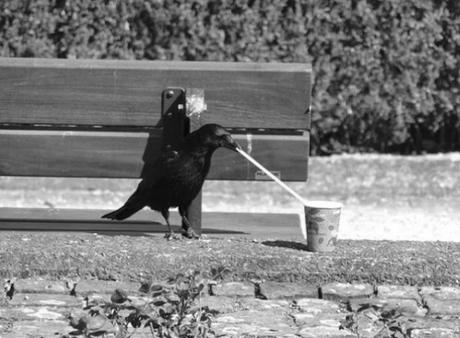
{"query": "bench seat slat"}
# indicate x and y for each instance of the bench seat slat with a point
(256, 224)
(108, 154)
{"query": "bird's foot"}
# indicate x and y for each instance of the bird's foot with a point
(172, 236)
(190, 234)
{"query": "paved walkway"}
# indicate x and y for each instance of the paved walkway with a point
(38, 308)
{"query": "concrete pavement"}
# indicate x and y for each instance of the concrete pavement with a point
(271, 309)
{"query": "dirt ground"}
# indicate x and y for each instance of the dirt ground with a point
(58, 255)
(385, 196)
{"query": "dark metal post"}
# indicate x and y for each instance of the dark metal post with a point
(173, 117)
(176, 125)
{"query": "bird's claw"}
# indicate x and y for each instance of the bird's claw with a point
(190, 234)
(172, 236)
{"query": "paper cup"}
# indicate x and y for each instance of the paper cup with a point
(322, 221)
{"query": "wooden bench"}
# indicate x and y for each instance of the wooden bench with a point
(100, 118)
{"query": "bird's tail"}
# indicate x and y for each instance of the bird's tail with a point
(122, 213)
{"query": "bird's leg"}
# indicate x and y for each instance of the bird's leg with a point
(188, 230)
(170, 234)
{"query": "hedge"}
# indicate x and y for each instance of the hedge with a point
(386, 72)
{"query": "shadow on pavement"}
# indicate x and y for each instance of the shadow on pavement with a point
(287, 244)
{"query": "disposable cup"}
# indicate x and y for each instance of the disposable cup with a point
(322, 220)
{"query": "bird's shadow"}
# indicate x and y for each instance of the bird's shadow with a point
(287, 244)
(159, 228)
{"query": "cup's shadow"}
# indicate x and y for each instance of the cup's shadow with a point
(287, 244)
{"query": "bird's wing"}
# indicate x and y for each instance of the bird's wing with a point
(154, 174)
(154, 177)
(159, 169)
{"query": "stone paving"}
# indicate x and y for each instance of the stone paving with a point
(38, 308)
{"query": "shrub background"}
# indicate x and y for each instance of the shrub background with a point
(386, 72)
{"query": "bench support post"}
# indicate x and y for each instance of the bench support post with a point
(194, 211)
(176, 125)
(173, 117)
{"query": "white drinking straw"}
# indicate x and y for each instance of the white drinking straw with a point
(277, 180)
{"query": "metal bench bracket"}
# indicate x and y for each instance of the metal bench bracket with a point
(176, 125)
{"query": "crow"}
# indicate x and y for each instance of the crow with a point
(177, 176)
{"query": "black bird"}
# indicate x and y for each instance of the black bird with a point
(177, 176)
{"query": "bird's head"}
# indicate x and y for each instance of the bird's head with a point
(214, 136)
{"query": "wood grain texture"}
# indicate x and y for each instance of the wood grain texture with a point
(256, 224)
(286, 155)
(123, 154)
(102, 92)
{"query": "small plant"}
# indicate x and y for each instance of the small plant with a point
(389, 320)
(351, 322)
(170, 311)
(392, 325)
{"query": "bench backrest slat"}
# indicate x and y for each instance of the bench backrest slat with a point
(123, 154)
(127, 93)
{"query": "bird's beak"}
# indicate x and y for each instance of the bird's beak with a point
(230, 143)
